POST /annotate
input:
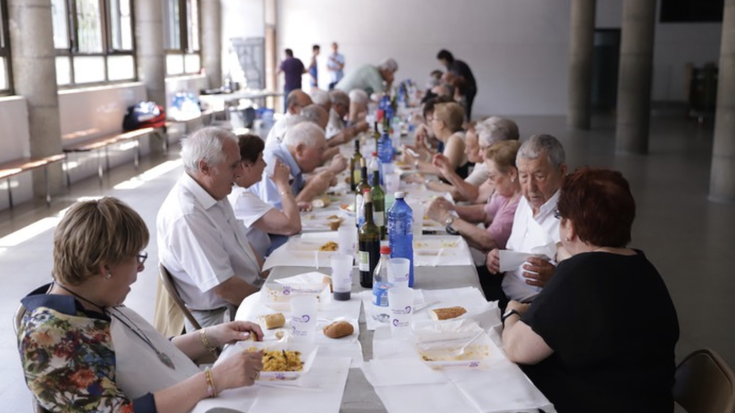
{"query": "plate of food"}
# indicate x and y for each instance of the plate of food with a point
(277, 296)
(281, 361)
(453, 343)
(321, 220)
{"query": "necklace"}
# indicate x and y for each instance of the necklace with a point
(165, 359)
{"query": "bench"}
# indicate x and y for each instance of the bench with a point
(18, 166)
(103, 142)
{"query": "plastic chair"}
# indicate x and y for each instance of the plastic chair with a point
(705, 383)
(170, 286)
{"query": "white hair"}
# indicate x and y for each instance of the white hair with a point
(339, 97)
(358, 96)
(305, 133)
(389, 64)
(205, 144)
(495, 129)
(320, 97)
(314, 113)
(546, 144)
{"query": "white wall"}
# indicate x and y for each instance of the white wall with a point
(15, 144)
(517, 49)
(240, 18)
(675, 44)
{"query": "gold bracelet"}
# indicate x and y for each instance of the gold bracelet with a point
(211, 390)
(205, 342)
(282, 193)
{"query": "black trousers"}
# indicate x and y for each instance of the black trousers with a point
(492, 286)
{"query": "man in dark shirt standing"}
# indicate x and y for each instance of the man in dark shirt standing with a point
(460, 69)
(292, 69)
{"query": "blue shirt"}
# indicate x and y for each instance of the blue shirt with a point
(266, 189)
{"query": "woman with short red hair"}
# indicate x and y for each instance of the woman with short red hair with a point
(601, 335)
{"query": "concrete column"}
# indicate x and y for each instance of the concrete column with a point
(634, 82)
(34, 78)
(581, 46)
(149, 49)
(211, 29)
(722, 179)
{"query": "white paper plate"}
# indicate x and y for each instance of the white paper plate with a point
(308, 354)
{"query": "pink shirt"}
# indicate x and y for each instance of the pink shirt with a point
(501, 210)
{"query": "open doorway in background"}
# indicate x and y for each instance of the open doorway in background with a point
(605, 63)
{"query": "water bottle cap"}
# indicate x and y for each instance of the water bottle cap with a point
(385, 249)
(400, 194)
(375, 153)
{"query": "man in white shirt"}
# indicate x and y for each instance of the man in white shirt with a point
(335, 65)
(295, 102)
(200, 241)
(541, 168)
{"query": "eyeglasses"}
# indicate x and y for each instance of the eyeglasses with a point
(142, 257)
(557, 215)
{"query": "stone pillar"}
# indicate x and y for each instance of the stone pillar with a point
(34, 78)
(150, 54)
(211, 29)
(722, 178)
(581, 46)
(634, 82)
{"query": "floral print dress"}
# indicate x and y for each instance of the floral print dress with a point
(69, 359)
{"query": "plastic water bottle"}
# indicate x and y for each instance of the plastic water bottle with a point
(380, 279)
(385, 150)
(400, 231)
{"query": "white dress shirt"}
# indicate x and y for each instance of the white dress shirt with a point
(278, 131)
(335, 125)
(249, 208)
(531, 234)
(202, 244)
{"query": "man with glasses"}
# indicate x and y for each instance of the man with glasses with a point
(200, 241)
(541, 167)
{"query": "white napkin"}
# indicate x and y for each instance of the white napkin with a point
(511, 260)
(374, 314)
(398, 372)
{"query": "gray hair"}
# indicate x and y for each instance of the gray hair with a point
(313, 113)
(205, 144)
(339, 97)
(542, 144)
(358, 96)
(320, 97)
(305, 133)
(389, 64)
(495, 129)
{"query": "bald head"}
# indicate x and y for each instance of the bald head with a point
(297, 100)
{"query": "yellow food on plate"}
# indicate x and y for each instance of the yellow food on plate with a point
(282, 360)
(329, 246)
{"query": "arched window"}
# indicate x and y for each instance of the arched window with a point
(94, 41)
(181, 36)
(5, 79)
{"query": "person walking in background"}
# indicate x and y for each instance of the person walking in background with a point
(313, 68)
(466, 81)
(292, 69)
(335, 65)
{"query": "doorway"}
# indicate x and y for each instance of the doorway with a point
(605, 63)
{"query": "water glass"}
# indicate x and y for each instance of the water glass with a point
(303, 317)
(341, 274)
(398, 271)
(346, 239)
(392, 182)
(400, 302)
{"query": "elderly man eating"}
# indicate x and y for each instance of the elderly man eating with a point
(200, 241)
(541, 167)
(295, 102)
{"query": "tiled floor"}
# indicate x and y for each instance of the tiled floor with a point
(686, 236)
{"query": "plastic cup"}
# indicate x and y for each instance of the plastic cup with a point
(418, 219)
(400, 302)
(398, 271)
(347, 238)
(392, 182)
(341, 276)
(303, 317)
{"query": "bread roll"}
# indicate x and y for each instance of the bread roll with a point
(320, 202)
(447, 313)
(272, 321)
(339, 329)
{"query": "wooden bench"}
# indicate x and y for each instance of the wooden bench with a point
(18, 166)
(104, 142)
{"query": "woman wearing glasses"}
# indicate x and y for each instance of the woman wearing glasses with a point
(82, 350)
(601, 334)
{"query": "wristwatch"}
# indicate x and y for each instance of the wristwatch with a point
(508, 314)
(448, 226)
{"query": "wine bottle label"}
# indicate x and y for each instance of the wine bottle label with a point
(379, 218)
(364, 261)
(356, 175)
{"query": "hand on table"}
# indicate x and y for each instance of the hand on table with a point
(538, 271)
(238, 370)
